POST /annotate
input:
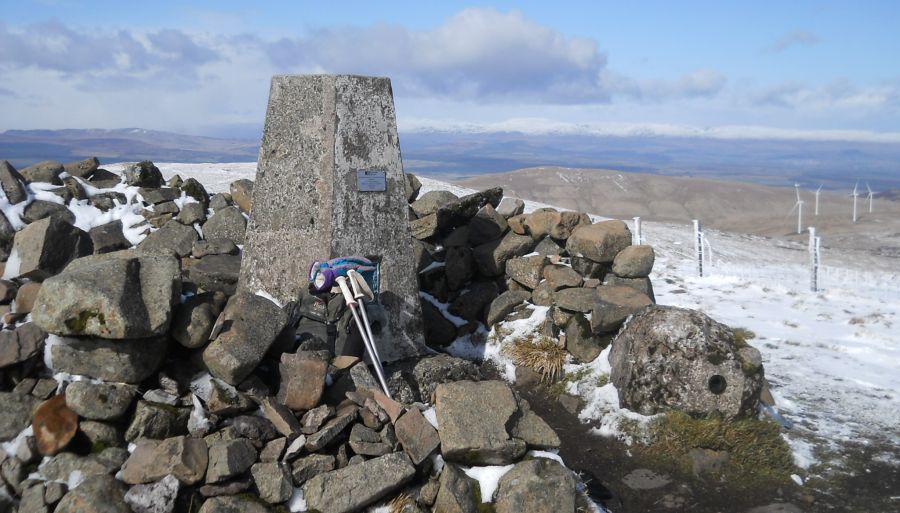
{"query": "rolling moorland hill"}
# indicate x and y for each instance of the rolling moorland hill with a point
(721, 205)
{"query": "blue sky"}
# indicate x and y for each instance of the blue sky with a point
(753, 69)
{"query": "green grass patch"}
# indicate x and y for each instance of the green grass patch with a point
(742, 336)
(757, 452)
(543, 356)
(558, 388)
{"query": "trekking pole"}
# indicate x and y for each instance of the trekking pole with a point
(369, 344)
(362, 293)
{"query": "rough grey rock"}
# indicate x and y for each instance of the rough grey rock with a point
(206, 247)
(330, 430)
(227, 223)
(538, 223)
(73, 188)
(220, 201)
(17, 411)
(313, 419)
(576, 299)
(45, 247)
(280, 416)
(461, 211)
(191, 213)
(194, 319)
(530, 427)
(171, 238)
(473, 417)
(431, 201)
(125, 361)
(157, 421)
(11, 182)
(195, 189)
(40, 209)
(565, 224)
(255, 323)
(157, 196)
(505, 304)
(96, 494)
(99, 401)
(158, 497)
(307, 467)
(107, 200)
(225, 400)
(424, 228)
(32, 500)
(634, 262)
(46, 171)
(101, 434)
(458, 492)
(254, 428)
(670, 357)
(242, 194)
(356, 486)
(491, 257)
(540, 485)
(645, 479)
(21, 344)
(302, 381)
(614, 305)
(439, 332)
(562, 276)
(109, 237)
(471, 304)
(529, 270)
(599, 242)
(82, 168)
(417, 436)
(119, 295)
(588, 268)
(549, 247)
(228, 459)
(487, 225)
(367, 442)
(413, 185)
(143, 174)
(217, 273)
(232, 504)
(642, 285)
(459, 266)
(543, 294)
(581, 341)
(510, 207)
(103, 179)
(273, 481)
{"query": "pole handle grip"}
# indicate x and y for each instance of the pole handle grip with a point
(345, 290)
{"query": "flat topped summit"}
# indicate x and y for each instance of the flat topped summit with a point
(330, 183)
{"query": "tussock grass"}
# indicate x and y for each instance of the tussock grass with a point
(757, 452)
(401, 503)
(742, 336)
(543, 356)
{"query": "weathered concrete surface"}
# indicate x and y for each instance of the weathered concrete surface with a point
(320, 130)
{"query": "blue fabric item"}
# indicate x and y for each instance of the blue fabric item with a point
(323, 274)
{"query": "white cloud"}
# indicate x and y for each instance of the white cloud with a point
(837, 95)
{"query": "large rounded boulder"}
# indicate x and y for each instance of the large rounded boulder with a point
(674, 358)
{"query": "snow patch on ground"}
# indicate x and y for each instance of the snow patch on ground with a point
(488, 479)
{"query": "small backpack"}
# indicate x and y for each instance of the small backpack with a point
(326, 317)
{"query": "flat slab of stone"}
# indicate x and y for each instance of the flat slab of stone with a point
(473, 418)
(356, 486)
(320, 131)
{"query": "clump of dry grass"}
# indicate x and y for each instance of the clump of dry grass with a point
(401, 503)
(543, 356)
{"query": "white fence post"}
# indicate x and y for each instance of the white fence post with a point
(637, 239)
(698, 247)
(813, 268)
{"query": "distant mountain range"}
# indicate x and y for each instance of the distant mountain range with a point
(23, 147)
(458, 154)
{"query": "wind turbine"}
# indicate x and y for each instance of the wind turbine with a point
(870, 196)
(855, 193)
(817, 199)
(799, 208)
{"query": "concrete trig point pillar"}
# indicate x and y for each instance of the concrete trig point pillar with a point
(330, 183)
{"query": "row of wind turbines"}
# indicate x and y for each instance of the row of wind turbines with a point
(798, 206)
